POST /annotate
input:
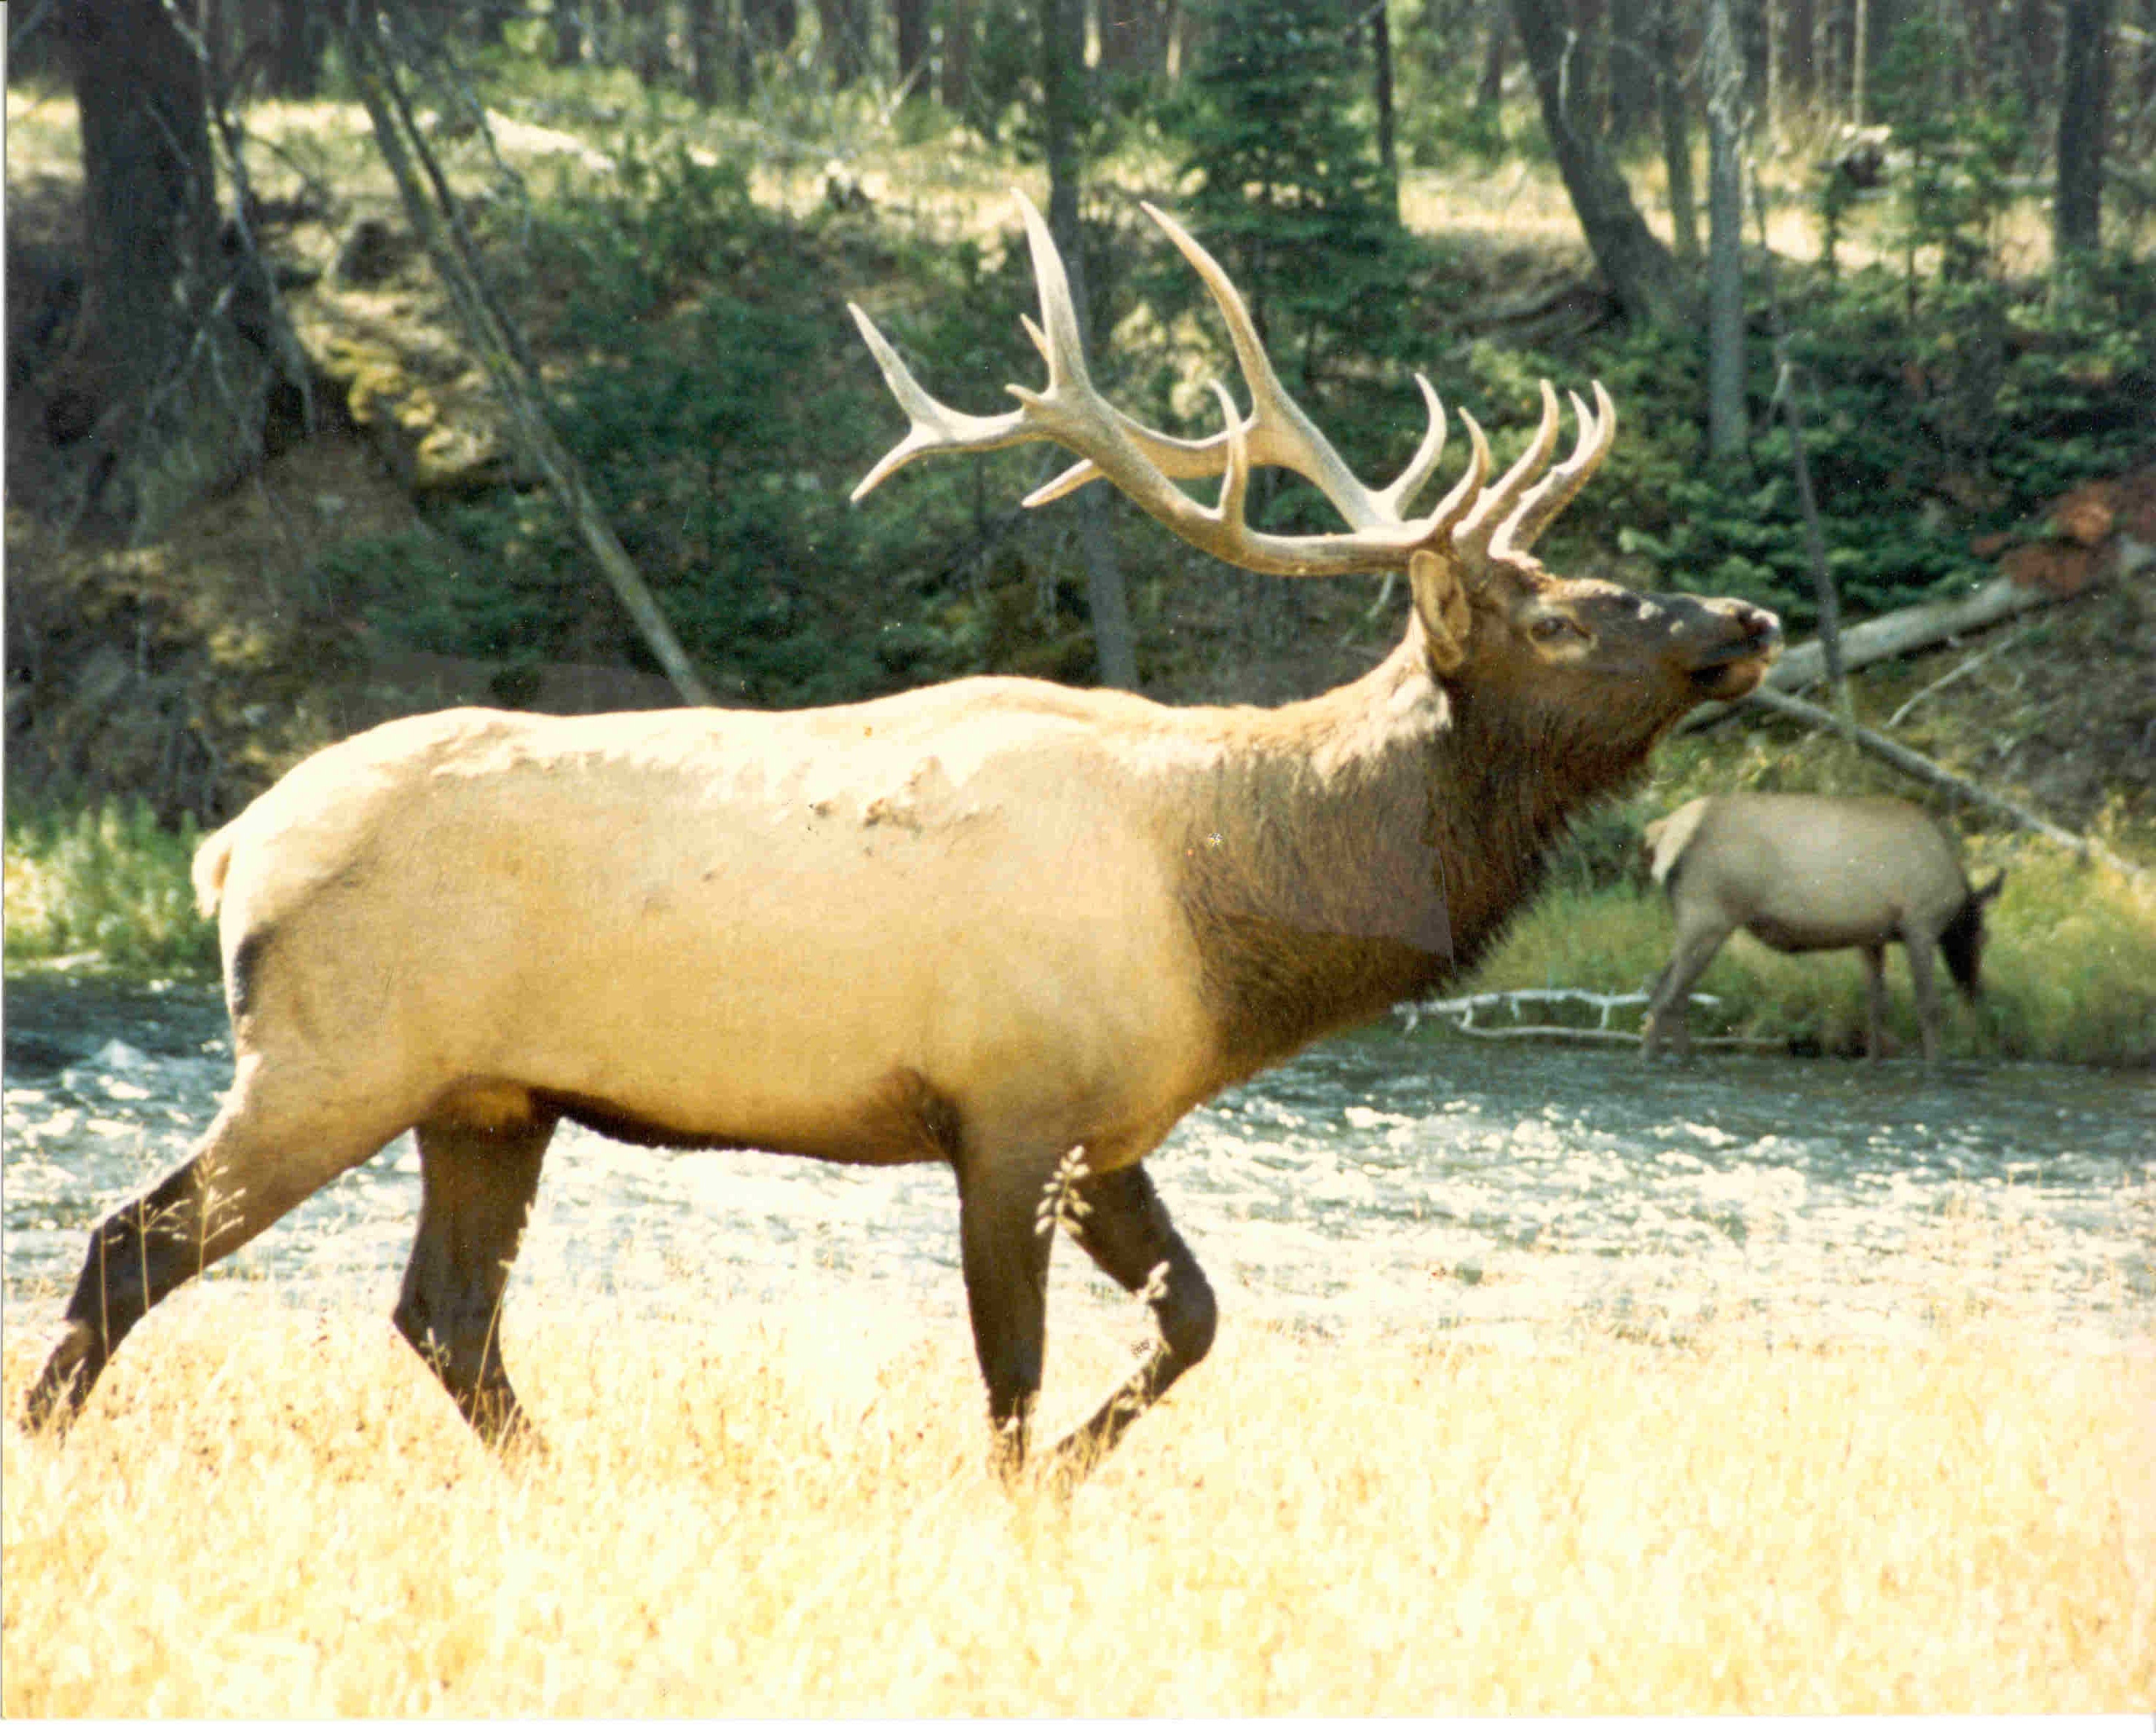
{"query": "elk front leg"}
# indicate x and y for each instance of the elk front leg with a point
(1126, 1231)
(1695, 948)
(1918, 949)
(1005, 1257)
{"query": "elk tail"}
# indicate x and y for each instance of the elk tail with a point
(211, 861)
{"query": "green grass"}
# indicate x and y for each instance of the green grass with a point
(107, 884)
(2069, 968)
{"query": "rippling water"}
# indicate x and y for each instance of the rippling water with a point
(1496, 1189)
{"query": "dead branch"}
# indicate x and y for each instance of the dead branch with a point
(1899, 633)
(494, 337)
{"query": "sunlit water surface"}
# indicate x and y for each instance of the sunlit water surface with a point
(1497, 1190)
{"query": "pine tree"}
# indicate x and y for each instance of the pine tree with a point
(1286, 188)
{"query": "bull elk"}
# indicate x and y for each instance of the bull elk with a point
(1814, 871)
(987, 924)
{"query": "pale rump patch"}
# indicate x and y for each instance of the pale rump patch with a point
(1666, 838)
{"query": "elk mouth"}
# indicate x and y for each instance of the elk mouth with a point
(1733, 670)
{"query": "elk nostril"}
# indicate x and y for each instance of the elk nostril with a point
(1756, 622)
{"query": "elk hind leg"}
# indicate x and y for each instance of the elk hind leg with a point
(1874, 1000)
(476, 1188)
(258, 1160)
(1126, 1231)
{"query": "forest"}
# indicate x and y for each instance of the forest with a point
(371, 358)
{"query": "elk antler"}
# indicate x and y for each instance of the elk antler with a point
(1145, 464)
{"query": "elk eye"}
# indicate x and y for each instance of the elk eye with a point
(1551, 627)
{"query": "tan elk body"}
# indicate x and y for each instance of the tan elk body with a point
(1810, 872)
(985, 924)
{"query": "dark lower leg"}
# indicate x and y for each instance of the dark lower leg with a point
(1126, 1231)
(1005, 1260)
(137, 1255)
(476, 1194)
(1874, 1000)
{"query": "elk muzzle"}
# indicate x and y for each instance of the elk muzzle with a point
(1727, 646)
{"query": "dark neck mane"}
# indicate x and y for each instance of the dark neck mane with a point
(1363, 847)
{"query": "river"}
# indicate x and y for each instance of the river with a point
(1502, 1190)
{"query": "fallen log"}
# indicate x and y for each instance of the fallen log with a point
(1895, 635)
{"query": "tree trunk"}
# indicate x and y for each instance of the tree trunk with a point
(1381, 66)
(498, 343)
(771, 25)
(1860, 52)
(1632, 66)
(1772, 23)
(1133, 38)
(2084, 96)
(2033, 56)
(845, 40)
(1676, 134)
(1801, 31)
(1640, 271)
(706, 51)
(569, 19)
(645, 23)
(1728, 430)
(954, 72)
(168, 376)
(1063, 60)
(1489, 87)
(296, 50)
(909, 23)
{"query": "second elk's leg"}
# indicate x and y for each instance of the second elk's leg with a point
(1126, 1231)
(476, 1193)
(1875, 1000)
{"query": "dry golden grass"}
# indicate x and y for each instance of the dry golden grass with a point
(270, 1511)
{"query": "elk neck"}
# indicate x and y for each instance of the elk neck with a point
(1359, 847)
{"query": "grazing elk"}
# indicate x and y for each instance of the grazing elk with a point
(985, 924)
(1814, 871)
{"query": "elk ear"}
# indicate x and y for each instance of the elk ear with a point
(1440, 602)
(1985, 893)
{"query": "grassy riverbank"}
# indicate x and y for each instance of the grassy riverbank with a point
(271, 1511)
(107, 884)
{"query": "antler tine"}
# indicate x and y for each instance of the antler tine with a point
(1279, 432)
(935, 426)
(1465, 490)
(1235, 484)
(1394, 499)
(1056, 336)
(1472, 540)
(1598, 429)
